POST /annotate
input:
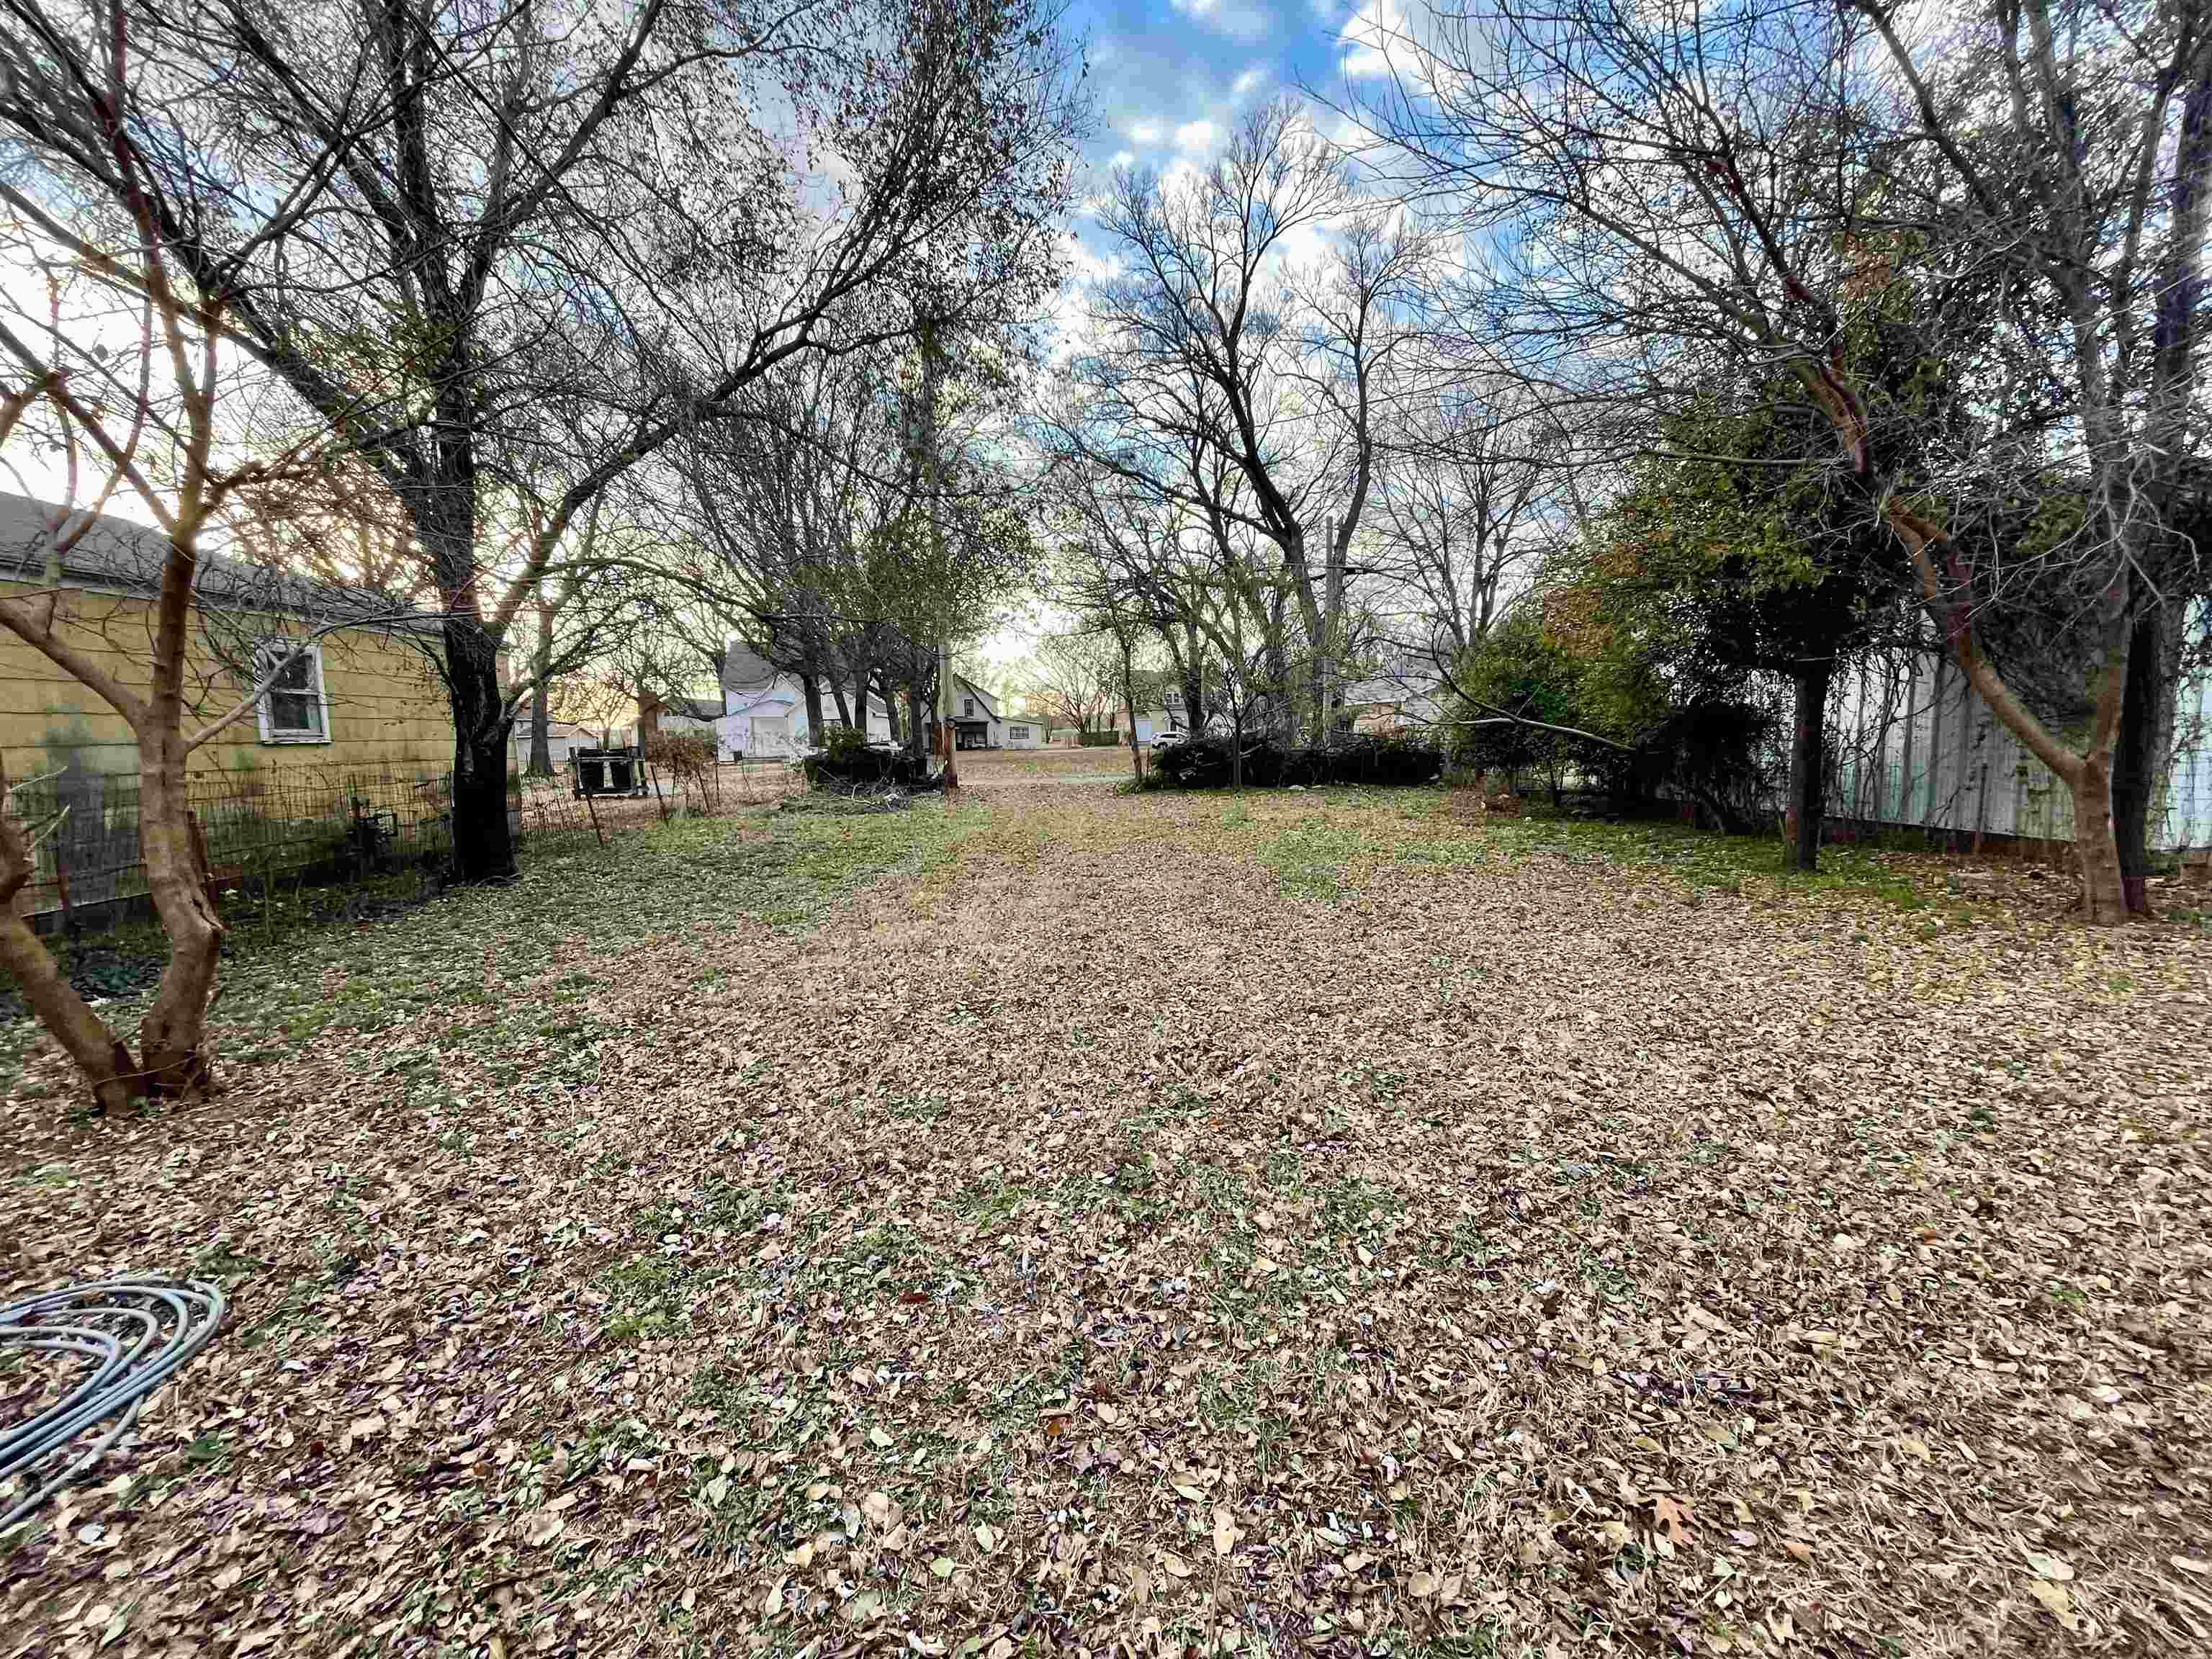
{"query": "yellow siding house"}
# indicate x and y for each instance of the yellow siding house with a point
(357, 725)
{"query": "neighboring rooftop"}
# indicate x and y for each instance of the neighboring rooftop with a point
(104, 551)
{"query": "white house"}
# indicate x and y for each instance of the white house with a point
(977, 722)
(1155, 722)
(765, 710)
(1404, 693)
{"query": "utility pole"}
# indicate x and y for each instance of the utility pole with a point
(933, 369)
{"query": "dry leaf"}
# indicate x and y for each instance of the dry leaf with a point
(2055, 1598)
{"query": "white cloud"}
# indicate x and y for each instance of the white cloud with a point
(1246, 82)
(1145, 132)
(1303, 246)
(1239, 19)
(1371, 33)
(1196, 135)
(1124, 158)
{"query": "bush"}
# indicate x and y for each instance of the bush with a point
(1204, 763)
(849, 762)
(1098, 739)
(1716, 752)
(686, 757)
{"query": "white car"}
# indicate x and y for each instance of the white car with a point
(1168, 739)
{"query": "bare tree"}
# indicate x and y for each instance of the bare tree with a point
(818, 530)
(117, 376)
(1459, 503)
(462, 236)
(1236, 385)
(1073, 676)
(1681, 187)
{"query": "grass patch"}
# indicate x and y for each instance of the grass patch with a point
(1307, 858)
(475, 957)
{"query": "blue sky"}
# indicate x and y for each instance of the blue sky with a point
(1161, 70)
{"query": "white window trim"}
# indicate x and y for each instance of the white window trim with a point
(264, 660)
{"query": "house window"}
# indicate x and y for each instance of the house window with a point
(294, 707)
(968, 707)
(1018, 733)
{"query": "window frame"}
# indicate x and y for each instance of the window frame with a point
(266, 656)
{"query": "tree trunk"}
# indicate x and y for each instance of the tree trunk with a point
(860, 675)
(2104, 884)
(2138, 752)
(811, 689)
(541, 741)
(916, 743)
(1236, 751)
(1808, 763)
(483, 849)
(2088, 772)
(171, 1037)
(171, 1058)
(1193, 698)
(1129, 704)
(837, 697)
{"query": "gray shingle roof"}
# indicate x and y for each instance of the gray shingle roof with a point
(115, 553)
(744, 669)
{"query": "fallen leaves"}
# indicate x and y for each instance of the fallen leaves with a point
(1226, 1532)
(1485, 1247)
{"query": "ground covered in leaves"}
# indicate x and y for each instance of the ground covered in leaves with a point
(1331, 1223)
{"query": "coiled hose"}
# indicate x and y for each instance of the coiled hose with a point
(139, 1330)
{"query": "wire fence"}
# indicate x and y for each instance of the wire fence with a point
(312, 824)
(727, 788)
(323, 826)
